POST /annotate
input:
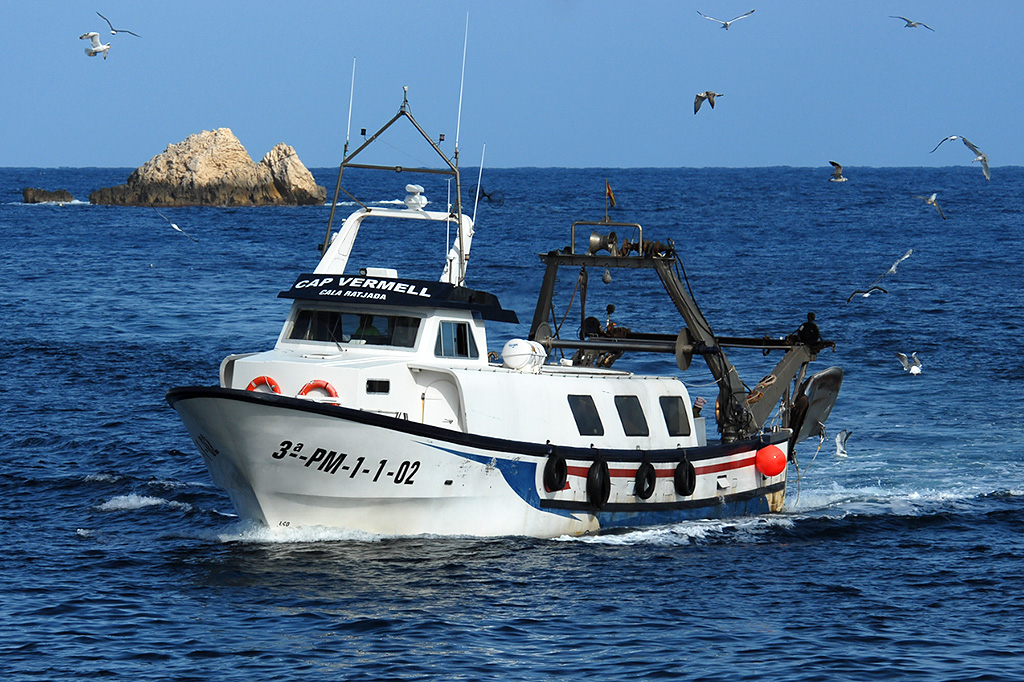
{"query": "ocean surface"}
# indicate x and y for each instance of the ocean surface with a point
(903, 560)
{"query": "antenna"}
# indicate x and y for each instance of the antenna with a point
(344, 155)
(462, 82)
(351, 97)
(479, 177)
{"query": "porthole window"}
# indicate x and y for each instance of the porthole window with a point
(588, 421)
(631, 414)
(674, 409)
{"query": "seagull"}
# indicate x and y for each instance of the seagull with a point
(837, 173)
(96, 47)
(175, 226)
(978, 154)
(725, 24)
(931, 201)
(841, 439)
(865, 293)
(911, 364)
(115, 31)
(706, 95)
(913, 24)
(892, 268)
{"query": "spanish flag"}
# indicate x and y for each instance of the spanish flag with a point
(608, 194)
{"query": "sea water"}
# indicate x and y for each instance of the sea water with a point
(902, 560)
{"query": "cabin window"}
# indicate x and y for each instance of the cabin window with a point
(312, 324)
(455, 340)
(674, 409)
(379, 386)
(631, 415)
(588, 421)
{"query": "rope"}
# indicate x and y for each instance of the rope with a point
(568, 308)
(799, 475)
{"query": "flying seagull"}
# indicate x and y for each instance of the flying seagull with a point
(837, 173)
(978, 154)
(175, 226)
(706, 95)
(892, 268)
(725, 24)
(95, 48)
(911, 364)
(931, 201)
(841, 439)
(866, 292)
(115, 31)
(913, 24)
(874, 285)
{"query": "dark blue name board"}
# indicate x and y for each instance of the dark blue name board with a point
(362, 290)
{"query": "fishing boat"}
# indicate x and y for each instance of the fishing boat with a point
(383, 408)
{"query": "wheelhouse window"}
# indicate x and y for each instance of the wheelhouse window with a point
(674, 409)
(455, 340)
(313, 324)
(631, 414)
(588, 421)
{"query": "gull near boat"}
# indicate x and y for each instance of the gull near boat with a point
(380, 408)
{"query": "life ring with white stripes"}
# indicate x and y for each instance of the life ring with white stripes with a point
(264, 380)
(322, 385)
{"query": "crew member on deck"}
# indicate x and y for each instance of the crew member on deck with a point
(808, 332)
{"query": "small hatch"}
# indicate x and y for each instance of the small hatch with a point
(378, 386)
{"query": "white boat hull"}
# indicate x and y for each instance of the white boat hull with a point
(291, 462)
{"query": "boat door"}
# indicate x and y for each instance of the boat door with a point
(440, 402)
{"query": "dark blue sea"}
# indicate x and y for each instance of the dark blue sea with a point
(903, 560)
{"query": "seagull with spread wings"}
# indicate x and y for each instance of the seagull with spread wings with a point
(725, 24)
(837, 173)
(115, 31)
(841, 439)
(913, 24)
(978, 154)
(95, 47)
(175, 226)
(864, 293)
(931, 202)
(706, 95)
(892, 268)
(911, 364)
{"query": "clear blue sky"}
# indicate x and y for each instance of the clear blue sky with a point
(548, 82)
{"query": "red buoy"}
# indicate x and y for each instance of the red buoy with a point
(770, 460)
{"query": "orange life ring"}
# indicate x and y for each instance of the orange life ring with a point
(321, 384)
(264, 381)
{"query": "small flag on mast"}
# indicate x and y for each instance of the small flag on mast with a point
(608, 194)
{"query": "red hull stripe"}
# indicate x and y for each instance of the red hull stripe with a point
(668, 473)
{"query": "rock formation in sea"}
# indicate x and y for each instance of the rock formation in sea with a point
(212, 168)
(34, 195)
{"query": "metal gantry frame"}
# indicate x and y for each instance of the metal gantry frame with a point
(740, 412)
(452, 170)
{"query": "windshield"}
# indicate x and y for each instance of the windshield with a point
(334, 326)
